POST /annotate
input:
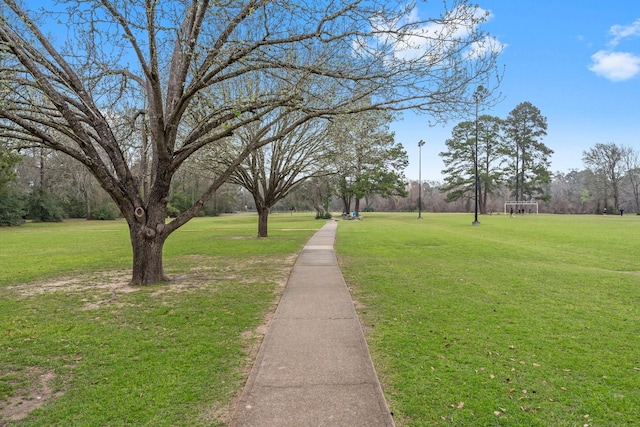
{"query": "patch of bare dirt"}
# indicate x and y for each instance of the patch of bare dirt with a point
(30, 398)
(115, 281)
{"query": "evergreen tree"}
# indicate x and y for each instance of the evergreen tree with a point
(11, 202)
(459, 159)
(527, 157)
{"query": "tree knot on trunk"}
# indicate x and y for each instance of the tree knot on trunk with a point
(139, 213)
(149, 232)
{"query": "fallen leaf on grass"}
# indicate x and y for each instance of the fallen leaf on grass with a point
(460, 405)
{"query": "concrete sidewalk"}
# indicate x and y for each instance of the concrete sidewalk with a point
(313, 368)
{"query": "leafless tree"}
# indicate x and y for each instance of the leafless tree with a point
(118, 83)
(606, 163)
(272, 171)
(631, 160)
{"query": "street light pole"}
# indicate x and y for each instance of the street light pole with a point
(477, 96)
(420, 144)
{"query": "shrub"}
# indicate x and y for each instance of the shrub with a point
(105, 212)
(44, 207)
(11, 208)
(172, 212)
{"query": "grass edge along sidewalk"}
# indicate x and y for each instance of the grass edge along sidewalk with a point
(531, 320)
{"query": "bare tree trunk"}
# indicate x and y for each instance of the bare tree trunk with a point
(636, 196)
(148, 234)
(263, 217)
(87, 204)
(144, 163)
(147, 256)
(346, 204)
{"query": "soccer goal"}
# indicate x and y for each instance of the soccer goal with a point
(520, 205)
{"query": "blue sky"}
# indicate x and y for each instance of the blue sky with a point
(578, 61)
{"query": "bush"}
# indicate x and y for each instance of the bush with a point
(105, 212)
(43, 207)
(179, 201)
(75, 207)
(326, 215)
(172, 212)
(11, 208)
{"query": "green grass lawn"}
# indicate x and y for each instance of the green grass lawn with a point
(524, 321)
(109, 355)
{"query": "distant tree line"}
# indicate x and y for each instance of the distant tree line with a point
(346, 162)
(610, 178)
(43, 185)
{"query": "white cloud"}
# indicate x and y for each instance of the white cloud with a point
(431, 39)
(485, 47)
(620, 32)
(615, 66)
(413, 15)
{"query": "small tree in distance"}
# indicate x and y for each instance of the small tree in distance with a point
(272, 171)
(607, 163)
(368, 161)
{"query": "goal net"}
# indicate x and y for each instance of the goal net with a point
(521, 207)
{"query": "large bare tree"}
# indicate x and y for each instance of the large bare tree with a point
(607, 162)
(133, 89)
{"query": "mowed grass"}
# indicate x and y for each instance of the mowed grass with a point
(99, 353)
(524, 321)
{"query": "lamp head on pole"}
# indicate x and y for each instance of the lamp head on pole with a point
(420, 143)
(480, 93)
